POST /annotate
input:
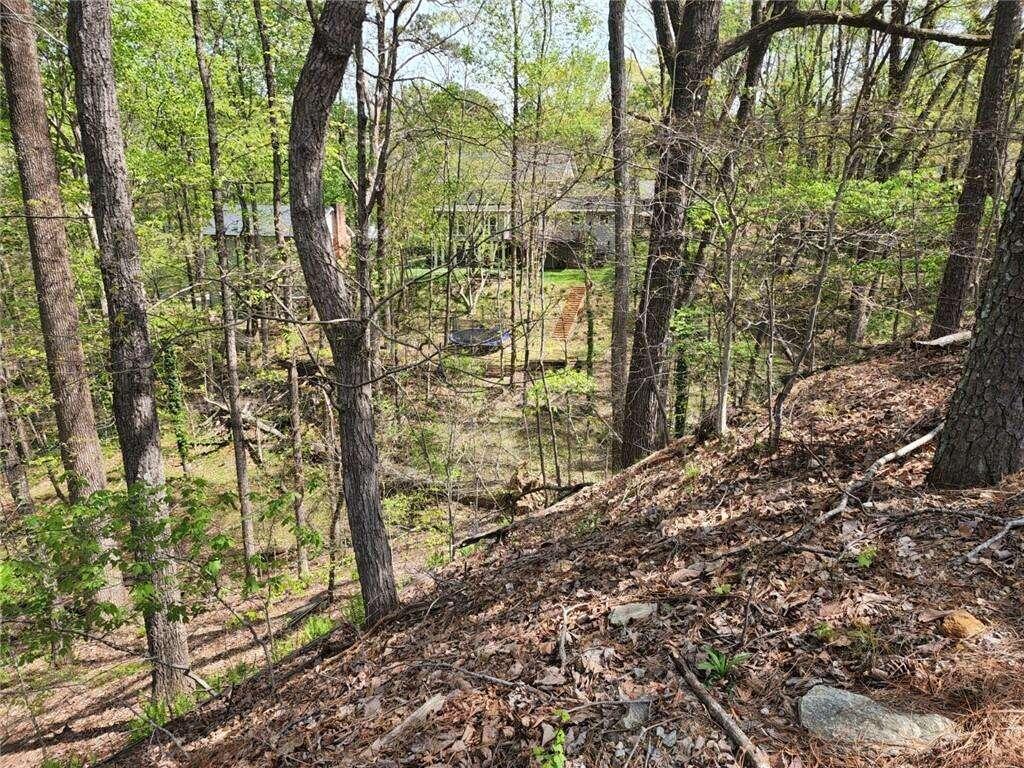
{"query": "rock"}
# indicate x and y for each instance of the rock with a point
(621, 615)
(636, 714)
(962, 625)
(841, 716)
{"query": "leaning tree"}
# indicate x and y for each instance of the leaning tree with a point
(337, 32)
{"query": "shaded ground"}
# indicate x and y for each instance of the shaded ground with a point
(516, 642)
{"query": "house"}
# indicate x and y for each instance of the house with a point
(571, 220)
(238, 228)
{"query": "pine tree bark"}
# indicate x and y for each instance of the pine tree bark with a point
(131, 352)
(988, 148)
(227, 299)
(623, 227)
(983, 440)
(48, 244)
(335, 35)
(693, 62)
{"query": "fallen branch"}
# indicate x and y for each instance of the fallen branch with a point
(855, 485)
(498, 532)
(972, 556)
(749, 751)
(414, 721)
(949, 340)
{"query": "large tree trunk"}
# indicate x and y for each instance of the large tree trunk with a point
(988, 147)
(623, 228)
(51, 266)
(693, 64)
(131, 353)
(337, 31)
(983, 440)
(48, 244)
(227, 299)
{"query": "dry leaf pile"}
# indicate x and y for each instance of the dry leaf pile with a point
(513, 658)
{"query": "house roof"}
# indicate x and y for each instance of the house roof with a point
(264, 219)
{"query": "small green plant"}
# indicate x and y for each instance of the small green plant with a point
(866, 557)
(314, 628)
(824, 631)
(155, 715)
(723, 589)
(62, 762)
(589, 523)
(721, 665)
(553, 755)
(354, 611)
(233, 675)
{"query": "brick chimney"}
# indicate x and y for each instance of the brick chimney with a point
(341, 240)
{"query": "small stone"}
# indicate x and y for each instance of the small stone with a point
(621, 615)
(636, 714)
(962, 625)
(836, 715)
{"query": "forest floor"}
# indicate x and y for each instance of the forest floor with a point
(512, 649)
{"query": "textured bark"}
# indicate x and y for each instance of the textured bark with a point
(988, 147)
(645, 409)
(983, 440)
(227, 299)
(623, 229)
(13, 461)
(131, 353)
(337, 31)
(48, 244)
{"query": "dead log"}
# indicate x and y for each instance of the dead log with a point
(950, 340)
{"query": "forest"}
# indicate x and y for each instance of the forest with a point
(555, 383)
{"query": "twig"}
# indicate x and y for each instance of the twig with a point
(972, 556)
(748, 750)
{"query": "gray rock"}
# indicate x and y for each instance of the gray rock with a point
(621, 615)
(836, 715)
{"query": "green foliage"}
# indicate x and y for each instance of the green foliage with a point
(866, 557)
(553, 754)
(354, 611)
(154, 715)
(559, 386)
(52, 585)
(824, 631)
(721, 665)
(312, 629)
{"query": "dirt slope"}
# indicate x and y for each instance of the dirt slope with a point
(514, 647)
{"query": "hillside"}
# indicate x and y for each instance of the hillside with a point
(514, 650)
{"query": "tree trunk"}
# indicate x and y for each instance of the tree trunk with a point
(299, 489)
(131, 353)
(693, 65)
(988, 147)
(48, 244)
(51, 266)
(226, 298)
(983, 440)
(623, 228)
(337, 31)
(13, 461)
